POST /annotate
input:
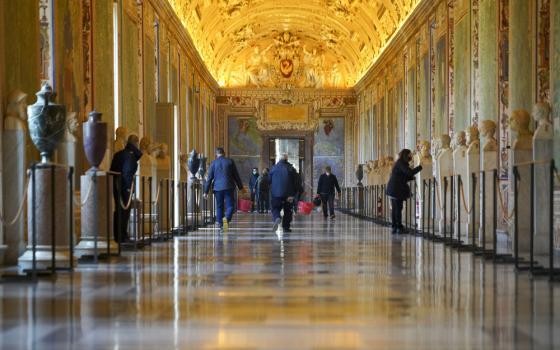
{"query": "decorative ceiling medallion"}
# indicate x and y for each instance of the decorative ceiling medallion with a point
(311, 43)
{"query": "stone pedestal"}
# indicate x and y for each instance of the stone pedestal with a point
(66, 154)
(360, 197)
(42, 215)
(147, 169)
(96, 215)
(444, 169)
(14, 172)
(473, 166)
(488, 163)
(163, 205)
(523, 200)
(542, 151)
(422, 192)
(460, 168)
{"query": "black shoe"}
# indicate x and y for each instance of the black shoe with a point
(333, 216)
(287, 230)
(325, 216)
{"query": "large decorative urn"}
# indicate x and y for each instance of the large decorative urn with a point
(202, 166)
(193, 163)
(47, 123)
(95, 139)
(360, 173)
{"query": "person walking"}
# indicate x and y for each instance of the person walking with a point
(124, 162)
(253, 187)
(283, 189)
(223, 176)
(299, 191)
(263, 191)
(326, 187)
(397, 187)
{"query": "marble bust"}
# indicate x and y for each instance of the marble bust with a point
(519, 122)
(424, 155)
(541, 114)
(488, 130)
(16, 112)
(444, 143)
(460, 140)
(72, 125)
(121, 135)
(473, 140)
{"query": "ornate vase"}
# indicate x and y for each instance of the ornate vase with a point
(193, 163)
(95, 139)
(202, 166)
(360, 173)
(47, 123)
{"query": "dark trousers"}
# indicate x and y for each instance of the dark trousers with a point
(120, 219)
(263, 200)
(279, 203)
(396, 213)
(327, 202)
(221, 197)
(253, 199)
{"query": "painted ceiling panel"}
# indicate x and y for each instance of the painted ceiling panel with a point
(291, 43)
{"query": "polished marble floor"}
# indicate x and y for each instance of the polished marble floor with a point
(343, 284)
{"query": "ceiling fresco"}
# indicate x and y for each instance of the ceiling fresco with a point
(291, 43)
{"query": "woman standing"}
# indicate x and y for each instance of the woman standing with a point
(398, 189)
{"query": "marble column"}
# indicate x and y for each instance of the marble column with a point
(96, 215)
(43, 223)
(521, 54)
(488, 58)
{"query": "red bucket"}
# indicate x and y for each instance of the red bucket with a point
(305, 207)
(244, 205)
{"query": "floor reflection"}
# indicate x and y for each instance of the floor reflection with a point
(344, 284)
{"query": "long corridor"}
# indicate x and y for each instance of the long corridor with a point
(343, 284)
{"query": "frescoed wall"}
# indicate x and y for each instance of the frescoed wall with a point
(245, 145)
(329, 148)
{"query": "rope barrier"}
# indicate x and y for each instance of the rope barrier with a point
(157, 195)
(127, 206)
(90, 190)
(21, 205)
(507, 217)
(469, 211)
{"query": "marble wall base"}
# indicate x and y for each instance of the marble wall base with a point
(43, 212)
(94, 218)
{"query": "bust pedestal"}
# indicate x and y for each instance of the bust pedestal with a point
(163, 206)
(524, 229)
(444, 169)
(469, 185)
(43, 223)
(96, 215)
(489, 163)
(422, 191)
(13, 168)
(460, 169)
(542, 151)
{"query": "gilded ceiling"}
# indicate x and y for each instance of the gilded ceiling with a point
(291, 43)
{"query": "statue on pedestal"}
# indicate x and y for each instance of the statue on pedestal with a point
(541, 114)
(519, 123)
(488, 130)
(473, 140)
(13, 174)
(121, 136)
(66, 151)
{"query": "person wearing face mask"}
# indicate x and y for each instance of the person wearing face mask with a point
(253, 187)
(397, 187)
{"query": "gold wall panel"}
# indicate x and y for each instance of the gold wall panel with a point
(287, 113)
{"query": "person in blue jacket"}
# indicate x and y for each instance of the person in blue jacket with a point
(124, 162)
(223, 176)
(283, 189)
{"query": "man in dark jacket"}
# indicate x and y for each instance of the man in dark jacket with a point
(398, 189)
(263, 191)
(124, 162)
(224, 177)
(326, 187)
(283, 190)
(253, 187)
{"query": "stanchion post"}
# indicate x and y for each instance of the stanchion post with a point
(532, 219)
(53, 220)
(472, 202)
(483, 209)
(150, 209)
(495, 214)
(71, 216)
(444, 219)
(551, 271)
(515, 219)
